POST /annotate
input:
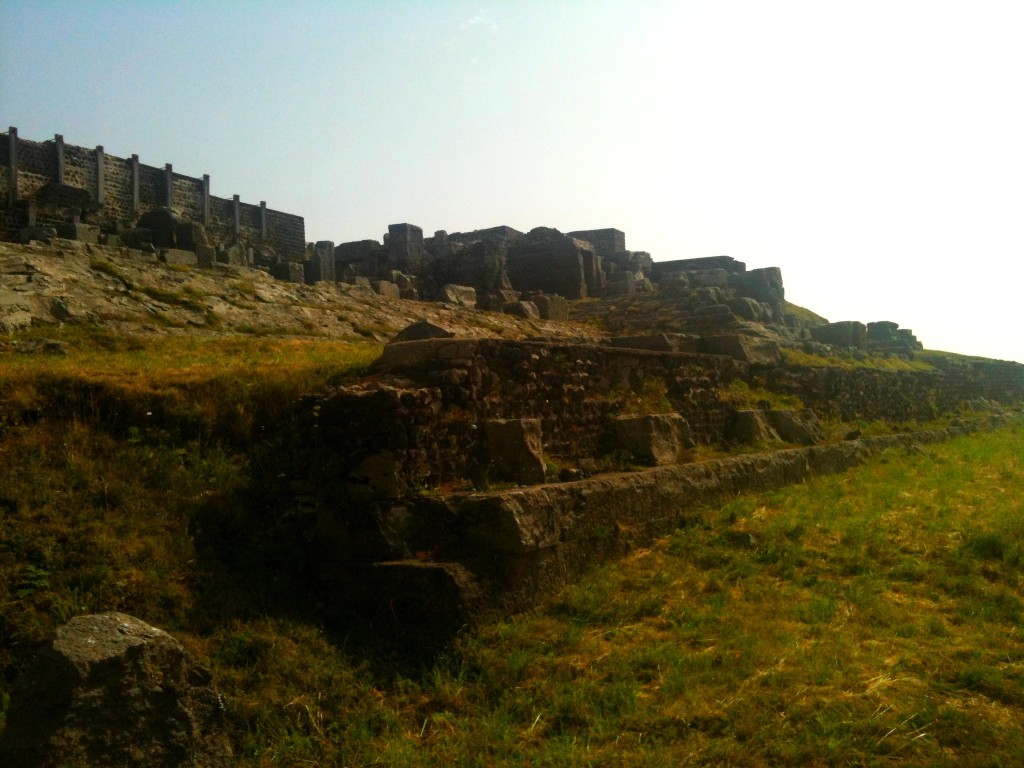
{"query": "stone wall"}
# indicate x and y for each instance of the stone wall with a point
(120, 200)
(607, 242)
(897, 396)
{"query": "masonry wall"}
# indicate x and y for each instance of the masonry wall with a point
(37, 168)
(606, 242)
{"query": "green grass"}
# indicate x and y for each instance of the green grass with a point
(867, 619)
(870, 619)
(855, 359)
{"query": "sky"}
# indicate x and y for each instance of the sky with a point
(871, 149)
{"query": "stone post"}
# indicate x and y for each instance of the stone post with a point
(135, 185)
(236, 216)
(12, 168)
(263, 220)
(169, 183)
(206, 199)
(58, 148)
(100, 180)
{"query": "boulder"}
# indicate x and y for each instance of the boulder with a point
(653, 440)
(513, 451)
(112, 690)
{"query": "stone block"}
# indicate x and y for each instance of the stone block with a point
(495, 301)
(83, 233)
(163, 223)
(751, 427)
(747, 309)
(793, 427)
(552, 307)
(748, 349)
(178, 257)
(323, 255)
(206, 255)
(460, 295)
(387, 289)
(653, 440)
(845, 333)
(112, 690)
(376, 477)
(710, 278)
(138, 238)
(624, 284)
(659, 342)
(43, 234)
(190, 234)
(424, 329)
(289, 271)
(513, 451)
(524, 309)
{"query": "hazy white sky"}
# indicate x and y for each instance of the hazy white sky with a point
(872, 149)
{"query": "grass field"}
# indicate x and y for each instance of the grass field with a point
(873, 618)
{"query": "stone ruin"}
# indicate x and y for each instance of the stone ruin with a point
(468, 476)
(53, 189)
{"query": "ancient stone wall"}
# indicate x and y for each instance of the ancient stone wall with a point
(607, 242)
(119, 200)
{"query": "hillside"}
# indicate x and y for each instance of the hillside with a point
(393, 552)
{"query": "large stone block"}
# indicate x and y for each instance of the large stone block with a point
(793, 427)
(748, 349)
(845, 333)
(289, 271)
(83, 233)
(655, 439)
(659, 342)
(178, 257)
(387, 289)
(751, 427)
(112, 690)
(513, 451)
(424, 329)
(460, 295)
(551, 307)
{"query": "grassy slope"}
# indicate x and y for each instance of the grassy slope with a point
(870, 619)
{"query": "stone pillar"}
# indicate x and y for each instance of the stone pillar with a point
(135, 185)
(58, 148)
(236, 216)
(12, 168)
(206, 199)
(263, 220)
(169, 185)
(100, 196)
